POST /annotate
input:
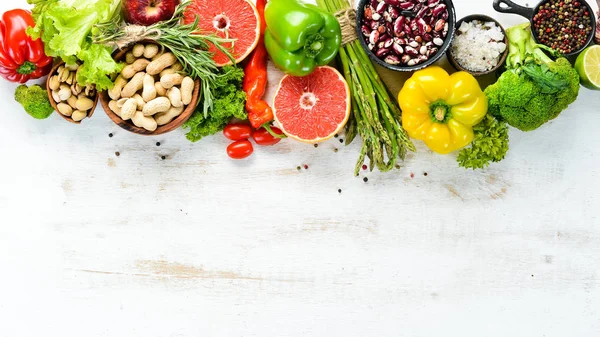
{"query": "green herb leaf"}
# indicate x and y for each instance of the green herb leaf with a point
(229, 102)
(489, 146)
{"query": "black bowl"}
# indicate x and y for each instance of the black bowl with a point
(484, 18)
(509, 7)
(434, 58)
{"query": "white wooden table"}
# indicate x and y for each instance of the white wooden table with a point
(92, 244)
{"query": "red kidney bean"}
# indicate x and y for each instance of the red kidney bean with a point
(404, 39)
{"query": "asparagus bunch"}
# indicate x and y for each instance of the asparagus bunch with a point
(375, 116)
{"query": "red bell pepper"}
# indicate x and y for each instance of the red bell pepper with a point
(21, 58)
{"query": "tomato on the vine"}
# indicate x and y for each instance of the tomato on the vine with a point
(263, 137)
(240, 149)
(237, 131)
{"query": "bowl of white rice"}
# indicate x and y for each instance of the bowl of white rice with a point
(480, 46)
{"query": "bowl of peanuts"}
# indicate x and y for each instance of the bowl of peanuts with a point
(151, 95)
(73, 102)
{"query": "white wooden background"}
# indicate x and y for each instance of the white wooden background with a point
(92, 244)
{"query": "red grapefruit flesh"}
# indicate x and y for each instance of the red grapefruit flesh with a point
(312, 108)
(233, 19)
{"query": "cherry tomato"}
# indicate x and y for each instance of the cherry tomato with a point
(263, 137)
(240, 149)
(237, 131)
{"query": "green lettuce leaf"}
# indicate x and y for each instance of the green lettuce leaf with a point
(66, 27)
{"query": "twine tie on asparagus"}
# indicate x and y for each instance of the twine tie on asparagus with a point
(347, 20)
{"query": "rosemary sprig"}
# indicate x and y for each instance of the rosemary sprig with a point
(185, 42)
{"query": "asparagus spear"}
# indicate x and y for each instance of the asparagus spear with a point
(375, 117)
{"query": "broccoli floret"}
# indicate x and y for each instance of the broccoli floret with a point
(538, 85)
(35, 101)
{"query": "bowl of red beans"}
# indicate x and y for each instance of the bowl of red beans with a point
(566, 26)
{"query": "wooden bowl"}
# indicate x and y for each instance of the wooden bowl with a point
(484, 18)
(54, 104)
(129, 126)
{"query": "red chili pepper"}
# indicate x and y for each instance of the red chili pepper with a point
(21, 58)
(255, 79)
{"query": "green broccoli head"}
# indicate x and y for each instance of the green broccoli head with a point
(519, 100)
(538, 85)
(35, 101)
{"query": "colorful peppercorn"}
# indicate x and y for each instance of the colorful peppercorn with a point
(563, 25)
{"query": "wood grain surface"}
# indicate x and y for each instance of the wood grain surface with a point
(101, 236)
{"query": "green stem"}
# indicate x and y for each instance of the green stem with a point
(313, 46)
(267, 127)
(26, 68)
(439, 112)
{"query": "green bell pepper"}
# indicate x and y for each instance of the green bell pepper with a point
(299, 37)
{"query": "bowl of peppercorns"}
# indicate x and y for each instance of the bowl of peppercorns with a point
(566, 26)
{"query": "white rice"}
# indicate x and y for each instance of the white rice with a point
(478, 45)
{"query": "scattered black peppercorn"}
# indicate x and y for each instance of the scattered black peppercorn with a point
(340, 190)
(365, 179)
(316, 145)
(157, 143)
(336, 135)
(425, 174)
(110, 135)
(341, 140)
(117, 153)
(163, 157)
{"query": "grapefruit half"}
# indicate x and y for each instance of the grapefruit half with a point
(232, 19)
(312, 108)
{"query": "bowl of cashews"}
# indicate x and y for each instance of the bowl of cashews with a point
(151, 95)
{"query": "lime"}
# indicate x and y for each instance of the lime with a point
(588, 67)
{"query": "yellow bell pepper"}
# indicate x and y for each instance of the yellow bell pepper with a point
(441, 109)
